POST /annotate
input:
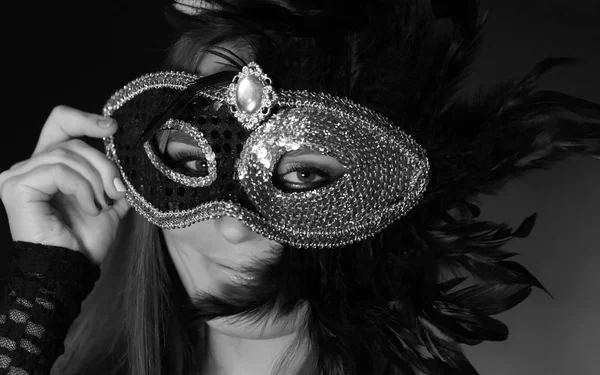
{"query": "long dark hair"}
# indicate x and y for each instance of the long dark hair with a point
(120, 315)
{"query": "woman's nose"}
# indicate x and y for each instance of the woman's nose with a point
(233, 230)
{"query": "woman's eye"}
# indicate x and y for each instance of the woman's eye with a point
(189, 163)
(196, 165)
(302, 177)
(187, 160)
(181, 152)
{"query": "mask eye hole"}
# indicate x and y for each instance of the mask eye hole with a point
(304, 170)
(181, 153)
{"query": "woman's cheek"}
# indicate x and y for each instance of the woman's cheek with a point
(191, 267)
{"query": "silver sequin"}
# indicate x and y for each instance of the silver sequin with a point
(388, 170)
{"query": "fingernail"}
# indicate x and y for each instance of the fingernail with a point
(119, 185)
(105, 122)
(98, 206)
(108, 201)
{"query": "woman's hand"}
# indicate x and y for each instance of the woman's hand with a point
(67, 194)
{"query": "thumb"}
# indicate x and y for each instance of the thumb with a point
(121, 207)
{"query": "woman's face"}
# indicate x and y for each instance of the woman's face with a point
(211, 253)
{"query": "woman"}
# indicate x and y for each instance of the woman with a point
(395, 275)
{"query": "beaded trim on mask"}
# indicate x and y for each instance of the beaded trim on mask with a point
(202, 144)
(383, 183)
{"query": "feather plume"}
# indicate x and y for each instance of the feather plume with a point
(508, 132)
(433, 279)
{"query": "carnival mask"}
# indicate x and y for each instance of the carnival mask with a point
(239, 132)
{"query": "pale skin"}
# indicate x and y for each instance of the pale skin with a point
(52, 198)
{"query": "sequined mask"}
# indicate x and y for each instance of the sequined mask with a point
(239, 133)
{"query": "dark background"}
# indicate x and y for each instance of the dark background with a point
(79, 52)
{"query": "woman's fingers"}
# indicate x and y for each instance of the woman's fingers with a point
(107, 170)
(85, 160)
(44, 181)
(65, 123)
(57, 196)
(53, 160)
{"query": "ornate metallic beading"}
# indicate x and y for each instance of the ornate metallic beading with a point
(202, 144)
(386, 170)
(250, 96)
(175, 80)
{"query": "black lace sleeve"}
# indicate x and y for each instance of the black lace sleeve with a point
(42, 292)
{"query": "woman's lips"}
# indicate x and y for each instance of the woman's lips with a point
(218, 270)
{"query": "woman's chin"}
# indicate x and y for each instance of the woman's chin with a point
(264, 329)
(250, 330)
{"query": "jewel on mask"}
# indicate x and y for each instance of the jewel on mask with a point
(250, 96)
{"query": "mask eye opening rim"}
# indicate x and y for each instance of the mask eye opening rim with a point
(202, 181)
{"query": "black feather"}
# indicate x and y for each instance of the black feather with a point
(433, 279)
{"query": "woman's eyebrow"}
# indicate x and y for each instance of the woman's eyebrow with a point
(302, 151)
(182, 137)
